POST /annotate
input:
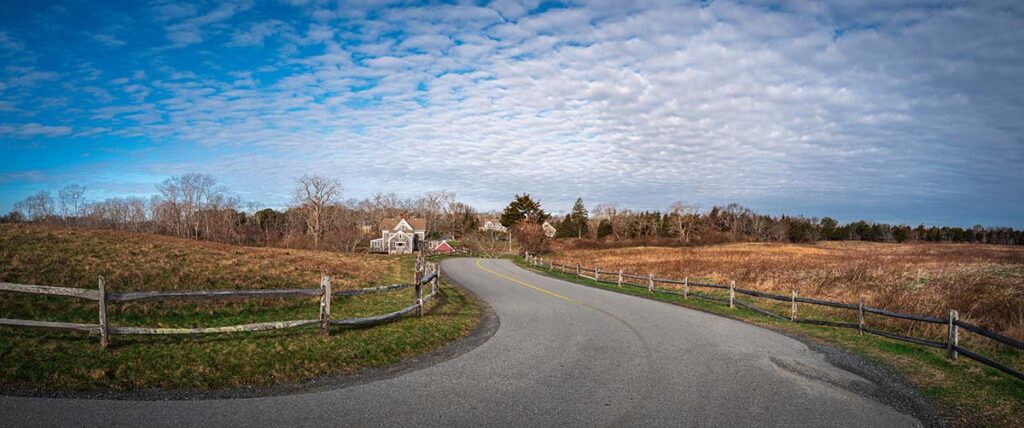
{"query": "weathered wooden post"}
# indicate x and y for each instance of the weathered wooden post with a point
(860, 316)
(325, 305)
(577, 270)
(954, 335)
(416, 269)
(686, 288)
(419, 292)
(104, 333)
(792, 306)
(620, 278)
(597, 274)
(551, 265)
(437, 277)
(732, 294)
(650, 282)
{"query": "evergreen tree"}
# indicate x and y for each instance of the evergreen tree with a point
(829, 228)
(523, 208)
(579, 218)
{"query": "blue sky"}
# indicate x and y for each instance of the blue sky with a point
(905, 112)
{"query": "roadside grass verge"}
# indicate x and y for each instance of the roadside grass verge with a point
(969, 393)
(60, 361)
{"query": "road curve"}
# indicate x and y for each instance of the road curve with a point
(564, 354)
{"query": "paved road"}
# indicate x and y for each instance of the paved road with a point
(564, 354)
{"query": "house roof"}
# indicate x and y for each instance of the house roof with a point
(417, 223)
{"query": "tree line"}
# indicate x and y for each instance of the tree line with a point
(197, 206)
(685, 224)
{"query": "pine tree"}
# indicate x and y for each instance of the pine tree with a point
(579, 218)
(523, 208)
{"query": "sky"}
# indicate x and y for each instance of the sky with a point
(898, 111)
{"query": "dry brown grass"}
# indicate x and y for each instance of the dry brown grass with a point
(32, 254)
(984, 282)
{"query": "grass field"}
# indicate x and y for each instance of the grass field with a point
(986, 283)
(133, 262)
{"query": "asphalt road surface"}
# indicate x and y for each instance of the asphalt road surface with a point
(564, 354)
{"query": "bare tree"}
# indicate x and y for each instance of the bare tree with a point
(463, 218)
(433, 207)
(70, 200)
(683, 219)
(312, 196)
(38, 207)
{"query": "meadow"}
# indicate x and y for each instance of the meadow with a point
(985, 283)
(47, 255)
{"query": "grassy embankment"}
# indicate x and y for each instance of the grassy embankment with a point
(986, 283)
(135, 262)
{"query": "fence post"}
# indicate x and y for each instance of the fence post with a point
(577, 270)
(954, 335)
(732, 294)
(437, 277)
(551, 265)
(650, 282)
(792, 306)
(419, 292)
(686, 288)
(860, 316)
(104, 334)
(597, 274)
(620, 278)
(325, 305)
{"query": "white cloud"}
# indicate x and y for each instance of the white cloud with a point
(844, 105)
(28, 130)
(108, 40)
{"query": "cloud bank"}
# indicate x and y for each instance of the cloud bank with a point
(908, 112)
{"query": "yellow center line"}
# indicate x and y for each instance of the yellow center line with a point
(552, 293)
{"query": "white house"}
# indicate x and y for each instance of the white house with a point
(492, 224)
(399, 235)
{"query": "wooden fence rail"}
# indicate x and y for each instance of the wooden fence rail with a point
(953, 322)
(426, 273)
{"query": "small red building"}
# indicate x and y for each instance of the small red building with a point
(444, 248)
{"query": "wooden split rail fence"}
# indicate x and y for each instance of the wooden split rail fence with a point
(427, 274)
(953, 322)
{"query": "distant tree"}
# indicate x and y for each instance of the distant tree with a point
(829, 227)
(71, 200)
(12, 217)
(798, 229)
(522, 209)
(604, 228)
(37, 207)
(463, 220)
(575, 224)
(531, 237)
(313, 194)
(683, 220)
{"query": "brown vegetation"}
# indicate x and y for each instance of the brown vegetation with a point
(35, 254)
(984, 282)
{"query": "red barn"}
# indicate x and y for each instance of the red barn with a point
(444, 248)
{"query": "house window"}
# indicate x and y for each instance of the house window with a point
(399, 244)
